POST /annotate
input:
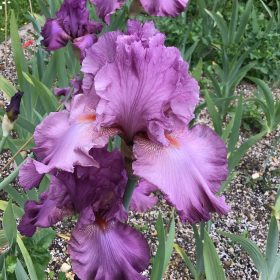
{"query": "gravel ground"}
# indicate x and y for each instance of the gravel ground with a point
(250, 195)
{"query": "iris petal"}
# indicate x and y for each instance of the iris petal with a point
(111, 250)
(142, 200)
(189, 171)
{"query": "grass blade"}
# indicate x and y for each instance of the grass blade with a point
(272, 243)
(158, 261)
(214, 114)
(253, 251)
(9, 223)
(27, 259)
(243, 21)
(187, 260)
(8, 89)
(213, 266)
(234, 136)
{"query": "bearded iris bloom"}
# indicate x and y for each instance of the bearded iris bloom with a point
(143, 89)
(102, 246)
(135, 87)
(172, 8)
(71, 24)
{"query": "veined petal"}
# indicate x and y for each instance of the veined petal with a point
(164, 7)
(53, 206)
(189, 171)
(142, 199)
(65, 138)
(105, 9)
(54, 35)
(28, 175)
(103, 250)
(143, 85)
(100, 53)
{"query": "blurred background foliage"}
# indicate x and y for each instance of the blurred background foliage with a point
(195, 31)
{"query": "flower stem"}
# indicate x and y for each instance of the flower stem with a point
(130, 187)
(2, 143)
(10, 178)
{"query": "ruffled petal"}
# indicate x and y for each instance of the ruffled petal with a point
(189, 171)
(28, 175)
(100, 187)
(164, 7)
(142, 199)
(143, 85)
(105, 9)
(103, 250)
(100, 53)
(64, 138)
(147, 33)
(54, 35)
(53, 206)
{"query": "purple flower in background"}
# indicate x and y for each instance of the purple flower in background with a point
(164, 7)
(102, 246)
(143, 88)
(71, 23)
(171, 8)
(105, 9)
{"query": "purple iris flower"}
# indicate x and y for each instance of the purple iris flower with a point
(71, 24)
(143, 89)
(102, 246)
(136, 87)
(172, 8)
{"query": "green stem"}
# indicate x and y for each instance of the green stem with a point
(2, 143)
(13, 175)
(30, 6)
(130, 187)
(10, 178)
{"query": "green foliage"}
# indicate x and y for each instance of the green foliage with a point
(165, 248)
(23, 258)
(38, 245)
(210, 26)
(21, 9)
(213, 266)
